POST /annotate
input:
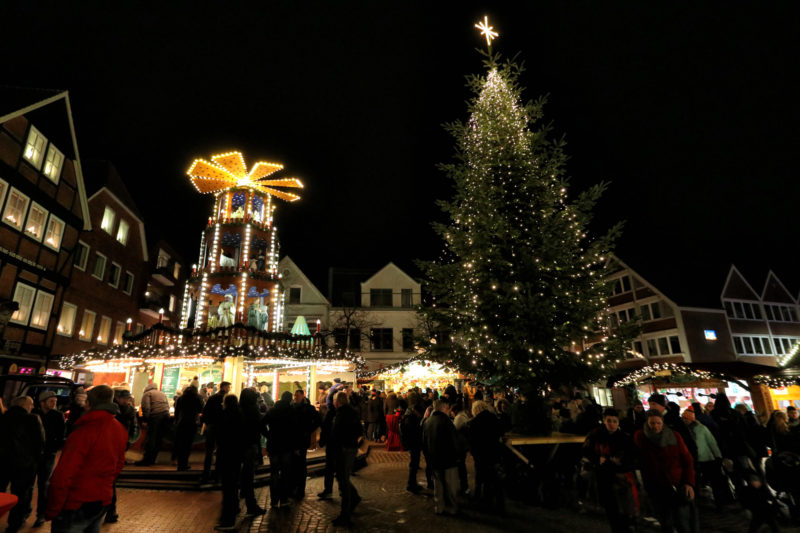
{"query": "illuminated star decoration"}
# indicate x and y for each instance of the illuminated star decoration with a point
(228, 170)
(487, 30)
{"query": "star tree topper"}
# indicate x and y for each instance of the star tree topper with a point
(487, 30)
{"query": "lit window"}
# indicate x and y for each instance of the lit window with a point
(23, 295)
(34, 226)
(114, 273)
(104, 331)
(66, 322)
(122, 232)
(3, 191)
(171, 302)
(108, 220)
(176, 270)
(53, 163)
(99, 270)
(55, 231)
(120, 329)
(163, 259)
(40, 318)
(87, 325)
(81, 256)
(710, 334)
(127, 287)
(16, 207)
(34, 148)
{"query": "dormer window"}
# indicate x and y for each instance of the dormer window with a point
(53, 163)
(34, 148)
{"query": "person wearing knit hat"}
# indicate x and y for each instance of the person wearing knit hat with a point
(672, 419)
(76, 408)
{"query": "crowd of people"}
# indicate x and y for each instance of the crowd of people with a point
(678, 454)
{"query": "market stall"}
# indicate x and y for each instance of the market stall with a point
(415, 372)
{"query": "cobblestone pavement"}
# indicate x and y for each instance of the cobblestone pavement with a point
(386, 507)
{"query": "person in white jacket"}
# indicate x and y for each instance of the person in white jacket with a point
(155, 411)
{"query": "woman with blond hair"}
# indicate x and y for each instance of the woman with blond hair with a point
(781, 437)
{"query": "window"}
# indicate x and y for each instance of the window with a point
(81, 256)
(171, 302)
(163, 259)
(108, 220)
(408, 339)
(644, 310)
(16, 207)
(663, 346)
(380, 297)
(40, 318)
(122, 232)
(118, 331)
(104, 331)
(139, 328)
(406, 298)
(23, 295)
(34, 226)
(294, 295)
(34, 147)
(651, 347)
(638, 348)
(751, 311)
(66, 322)
(760, 345)
(114, 274)
(53, 162)
(87, 325)
(3, 191)
(340, 338)
(55, 231)
(176, 270)
(381, 339)
(780, 313)
(127, 286)
(675, 344)
(99, 269)
(621, 285)
(655, 310)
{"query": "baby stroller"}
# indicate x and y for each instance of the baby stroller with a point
(783, 476)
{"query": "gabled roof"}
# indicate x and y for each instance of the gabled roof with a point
(737, 288)
(614, 259)
(776, 291)
(389, 266)
(19, 101)
(100, 174)
(287, 262)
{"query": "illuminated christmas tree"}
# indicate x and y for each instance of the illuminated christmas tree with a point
(519, 290)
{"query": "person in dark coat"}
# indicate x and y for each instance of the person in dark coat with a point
(307, 420)
(635, 419)
(253, 429)
(76, 408)
(345, 434)
(54, 434)
(732, 439)
(411, 437)
(212, 415)
(485, 431)
(439, 441)
(22, 442)
(612, 456)
(668, 472)
(231, 443)
(281, 439)
(374, 416)
(128, 418)
(330, 454)
(187, 410)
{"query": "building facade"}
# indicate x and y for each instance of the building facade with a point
(44, 208)
(368, 312)
(108, 268)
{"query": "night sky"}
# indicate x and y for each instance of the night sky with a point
(689, 110)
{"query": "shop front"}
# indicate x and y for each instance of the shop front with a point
(419, 373)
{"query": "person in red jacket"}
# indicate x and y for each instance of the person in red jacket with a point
(81, 488)
(668, 472)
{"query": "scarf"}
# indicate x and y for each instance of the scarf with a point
(663, 439)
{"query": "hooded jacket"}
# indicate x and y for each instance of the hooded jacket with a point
(93, 457)
(154, 402)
